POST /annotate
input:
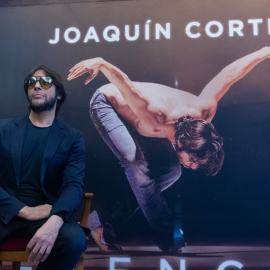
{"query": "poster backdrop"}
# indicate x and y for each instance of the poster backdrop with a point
(181, 44)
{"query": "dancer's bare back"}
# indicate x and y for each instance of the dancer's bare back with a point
(166, 103)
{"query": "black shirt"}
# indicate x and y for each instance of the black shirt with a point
(35, 139)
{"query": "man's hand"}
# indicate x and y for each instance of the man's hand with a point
(91, 66)
(35, 213)
(42, 242)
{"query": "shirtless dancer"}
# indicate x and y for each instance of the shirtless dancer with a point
(152, 129)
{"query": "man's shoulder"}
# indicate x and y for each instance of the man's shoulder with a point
(70, 134)
(67, 128)
(9, 122)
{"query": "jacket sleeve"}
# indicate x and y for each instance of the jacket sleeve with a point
(9, 206)
(72, 188)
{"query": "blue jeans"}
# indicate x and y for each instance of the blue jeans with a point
(151, 165)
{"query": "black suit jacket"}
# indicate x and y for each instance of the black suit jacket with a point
(62, 168)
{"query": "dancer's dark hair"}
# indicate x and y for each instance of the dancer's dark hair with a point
(202, 143)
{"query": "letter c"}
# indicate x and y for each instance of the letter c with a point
(189, 33)
(230, 263)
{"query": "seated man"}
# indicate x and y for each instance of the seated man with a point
(42, 168)
(152, 129)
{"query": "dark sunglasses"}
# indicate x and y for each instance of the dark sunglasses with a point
(44, 81)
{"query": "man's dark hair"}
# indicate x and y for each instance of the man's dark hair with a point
(57, 81)
(201, 142)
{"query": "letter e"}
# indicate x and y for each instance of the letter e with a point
(113, 260)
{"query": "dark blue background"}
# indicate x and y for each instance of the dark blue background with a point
(230, 207)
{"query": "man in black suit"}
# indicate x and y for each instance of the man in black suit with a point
(41, 176)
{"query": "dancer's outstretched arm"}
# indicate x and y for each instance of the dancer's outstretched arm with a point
(222, 82)
(134, 98)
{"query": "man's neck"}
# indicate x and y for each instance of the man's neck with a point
(42, 119)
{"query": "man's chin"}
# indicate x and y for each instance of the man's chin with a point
(40, 108)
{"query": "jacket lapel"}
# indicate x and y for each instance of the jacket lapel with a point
(17, 135)
(54, 139)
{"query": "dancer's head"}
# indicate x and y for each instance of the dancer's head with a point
(199, 145)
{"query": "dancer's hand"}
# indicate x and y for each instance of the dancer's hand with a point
(91, 66)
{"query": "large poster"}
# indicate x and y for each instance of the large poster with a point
(155, 62)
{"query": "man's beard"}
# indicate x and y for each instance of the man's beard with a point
(47, 105)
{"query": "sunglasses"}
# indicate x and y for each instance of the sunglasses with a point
(44, 81)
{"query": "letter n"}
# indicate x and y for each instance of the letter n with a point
(165, 266)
